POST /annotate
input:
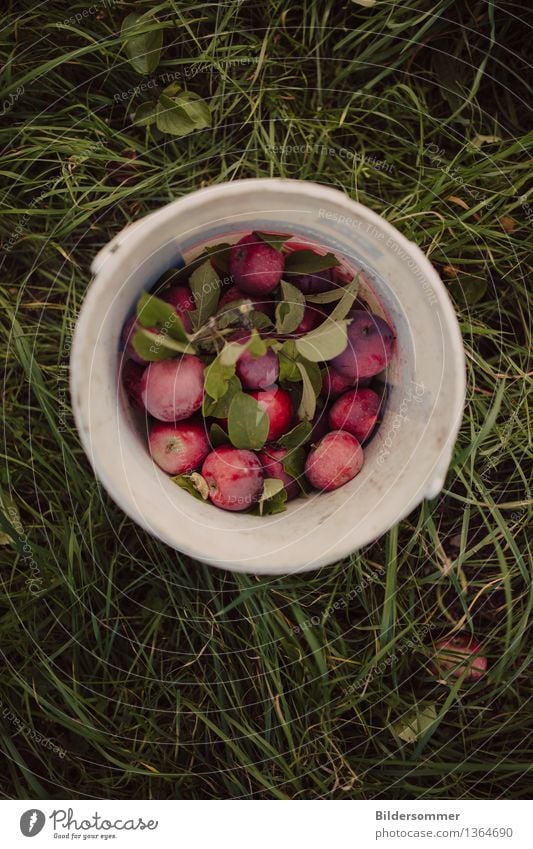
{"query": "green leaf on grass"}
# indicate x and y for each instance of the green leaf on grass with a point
(182, 114)
(153, 312)
(172, 90)
(468, 290)
(194, 484)
(307, 407)
(415, 723)
(308, 262)
(196, 108)
(324, 343)
(145, 114)
(290, 311)
(205, 287)
(142, 41)
(248, 423)
(275, 240)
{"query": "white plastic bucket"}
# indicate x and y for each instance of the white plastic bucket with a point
(405, 462)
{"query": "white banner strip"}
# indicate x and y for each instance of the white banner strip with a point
(249, 825)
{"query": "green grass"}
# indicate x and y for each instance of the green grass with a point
(158, 676)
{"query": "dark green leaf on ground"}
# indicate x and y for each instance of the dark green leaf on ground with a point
(143, 38)
(181, 115)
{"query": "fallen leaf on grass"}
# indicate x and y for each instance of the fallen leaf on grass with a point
(415, 723)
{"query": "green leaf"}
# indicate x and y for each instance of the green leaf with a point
(296, 437)
(324, 343)
(243, 306)
(308, 262)
(182, 114)
(468, 290)
(256, 346)
(248, 423)
(275, 240)
(153, 312)
(157, 346)
(242, 314)
(220, 255)
(195, 484)
(307, 407)
(415, 723)
(272, 499)
(220, 409)
(294, 463)
(142, 42)
(205, 287)
(326, 297)
(260, 321)
(171, 118)
(145, 114)
(196, 108)
(232, 351)
(290, 311)
(288, 369)
(271, 488)
(314, 374)
(217, 436)
(216, 379)
(172, 90)
(346, 302)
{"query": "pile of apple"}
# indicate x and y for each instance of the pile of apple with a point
(255, 367)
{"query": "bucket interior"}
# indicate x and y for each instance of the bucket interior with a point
(410, 451)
